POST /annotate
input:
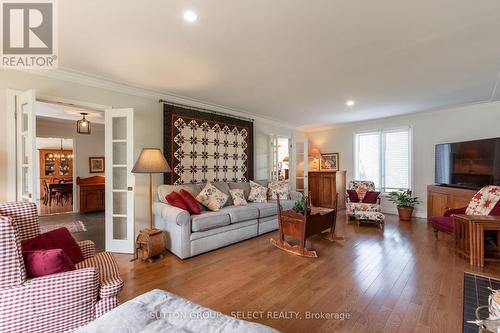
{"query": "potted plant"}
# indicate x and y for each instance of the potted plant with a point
(405, 202)
(301, 204)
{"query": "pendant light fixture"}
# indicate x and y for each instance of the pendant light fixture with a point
(83, 125)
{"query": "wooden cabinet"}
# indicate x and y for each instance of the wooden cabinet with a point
(55, 165)
(440, 198)
(91, 192)
(324, 187)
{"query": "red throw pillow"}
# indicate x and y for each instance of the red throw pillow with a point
(353, 196)
(496, 210)
(188, 198)
(371, 197)
(55, 239)
(176, 200)
(46, 262)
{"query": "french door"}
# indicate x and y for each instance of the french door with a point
(301, 159)
(25, 145)
(119, 152)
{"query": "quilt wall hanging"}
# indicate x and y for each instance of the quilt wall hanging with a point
(206, 147)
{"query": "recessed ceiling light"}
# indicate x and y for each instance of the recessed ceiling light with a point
(350, 103)
(190, 16)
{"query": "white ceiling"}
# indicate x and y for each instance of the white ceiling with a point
(63, 112)
(293, 60)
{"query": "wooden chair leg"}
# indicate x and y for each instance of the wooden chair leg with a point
(436, 233)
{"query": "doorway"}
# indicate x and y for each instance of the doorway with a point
(54, 175)
(27, 113)
(279, 157)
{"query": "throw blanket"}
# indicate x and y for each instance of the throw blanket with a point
(484, 201)
(160, 311)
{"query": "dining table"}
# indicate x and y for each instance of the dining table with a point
(61, 188)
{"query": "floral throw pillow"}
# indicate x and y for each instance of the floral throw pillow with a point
(238, 197)
(258, 193)
(280, 189)
(212, 198)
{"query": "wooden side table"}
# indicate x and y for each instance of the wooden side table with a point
(469, 236)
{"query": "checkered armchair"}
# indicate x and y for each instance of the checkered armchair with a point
(53, 303)
(361, 187)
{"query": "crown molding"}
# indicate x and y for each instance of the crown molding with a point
(104, 83)
(319, 128)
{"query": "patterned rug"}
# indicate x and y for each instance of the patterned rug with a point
(74, 226)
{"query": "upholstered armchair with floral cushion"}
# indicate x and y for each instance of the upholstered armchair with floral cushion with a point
(58, 302)
(356, 192)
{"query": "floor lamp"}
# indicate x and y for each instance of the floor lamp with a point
(150, 241)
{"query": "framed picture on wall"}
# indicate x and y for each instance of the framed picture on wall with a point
(96, 164)
(329, 162)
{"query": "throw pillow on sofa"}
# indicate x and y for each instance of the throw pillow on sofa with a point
(46, 262)
(194, 206)
(279, 188)
(211, 197)
(56, 239)
(258, 193)
(238, 197)
(174, 199)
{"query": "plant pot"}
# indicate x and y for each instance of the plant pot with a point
(405, 213)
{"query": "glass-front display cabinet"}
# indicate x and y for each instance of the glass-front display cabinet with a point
(56, 166)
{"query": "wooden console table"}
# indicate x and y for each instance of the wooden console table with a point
(302, 226)
(469, 236)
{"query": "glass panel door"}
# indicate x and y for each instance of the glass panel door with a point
(26, 145)
(301, 161)
(119, 180)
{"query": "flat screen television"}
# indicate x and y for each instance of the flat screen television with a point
(469, 164)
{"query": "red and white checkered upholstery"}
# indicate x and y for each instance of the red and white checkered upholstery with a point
(109, 280)
(53, 303)
(24, 218)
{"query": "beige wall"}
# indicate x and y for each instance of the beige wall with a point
(429, 128)
(148, 125)
(85, 145)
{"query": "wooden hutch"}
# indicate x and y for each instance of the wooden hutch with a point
(55, 165)
(324, 187)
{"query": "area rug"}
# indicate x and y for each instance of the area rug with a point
(74, 226)
(476, 293)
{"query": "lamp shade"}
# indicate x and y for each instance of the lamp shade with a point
(151, 160)
(314, 152)
(286, 159)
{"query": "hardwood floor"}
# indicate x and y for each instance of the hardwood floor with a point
(402, 280)
(55, 208)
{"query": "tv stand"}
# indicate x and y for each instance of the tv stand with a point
(441, 197)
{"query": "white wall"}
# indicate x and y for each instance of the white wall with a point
(148, 123)
(429, 128)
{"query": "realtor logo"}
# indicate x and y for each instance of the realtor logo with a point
(28, 34)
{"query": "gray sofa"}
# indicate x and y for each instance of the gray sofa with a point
(188, 236)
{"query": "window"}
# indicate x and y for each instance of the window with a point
(384, 157)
